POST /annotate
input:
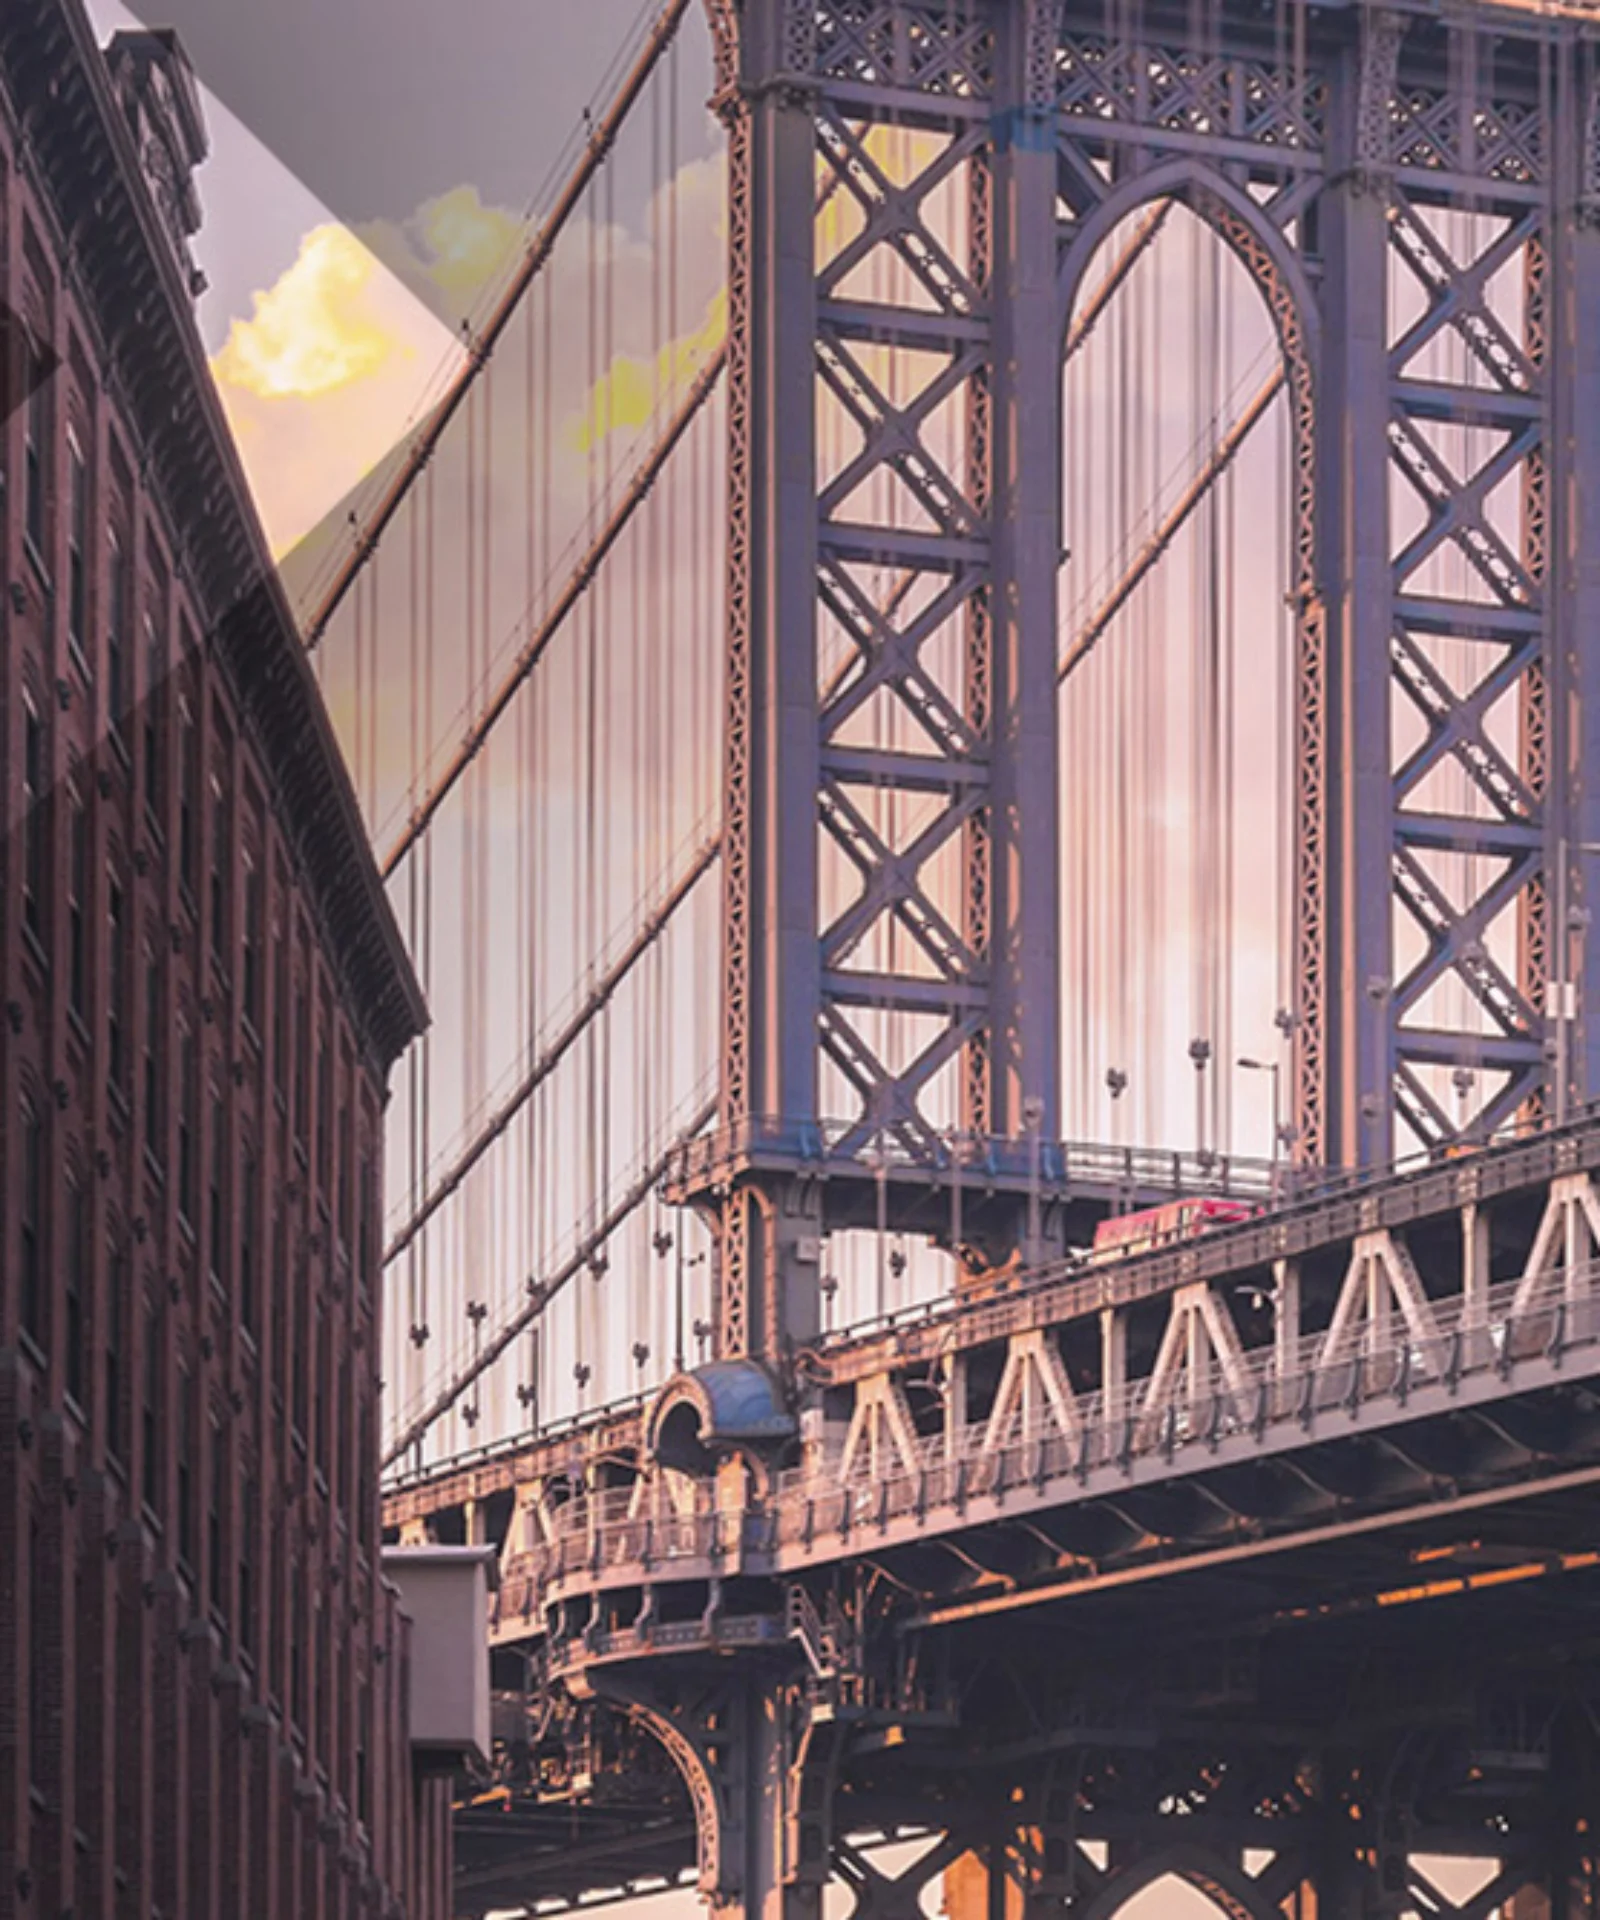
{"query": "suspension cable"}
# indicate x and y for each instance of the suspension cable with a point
(578, 582)
(540, 248)
(540, 1295)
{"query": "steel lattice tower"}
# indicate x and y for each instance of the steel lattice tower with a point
(1339, 152)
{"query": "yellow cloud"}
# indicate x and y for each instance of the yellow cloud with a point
(325, 377)
(629, 392)
(314, 330)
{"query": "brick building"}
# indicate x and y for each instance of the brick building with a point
(203, 1672)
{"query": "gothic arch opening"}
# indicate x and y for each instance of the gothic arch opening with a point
(1182, 542)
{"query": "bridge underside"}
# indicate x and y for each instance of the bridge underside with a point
(1369, 1693)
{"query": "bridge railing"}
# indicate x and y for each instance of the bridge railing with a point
(814, 1505)
(1078, 1285)
(859, 1146)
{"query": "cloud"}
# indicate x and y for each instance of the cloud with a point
(450, 250)
(324, 377)
(317, 329)
(631, 392)
(345, 353)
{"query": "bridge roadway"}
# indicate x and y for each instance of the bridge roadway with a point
(1293, 1524)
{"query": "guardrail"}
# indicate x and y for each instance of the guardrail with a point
(836, 1146)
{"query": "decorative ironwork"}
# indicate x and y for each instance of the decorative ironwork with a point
(1167, 90)
(878, 44)
(1381, 35)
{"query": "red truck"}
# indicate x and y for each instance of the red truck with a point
(1166, 1226)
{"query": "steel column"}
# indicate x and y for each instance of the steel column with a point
(1353, 502)
(1026, 535)
(1573, 803)
(758, 1787)
(770, 846)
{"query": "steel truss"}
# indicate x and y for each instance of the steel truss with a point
(1416, 200)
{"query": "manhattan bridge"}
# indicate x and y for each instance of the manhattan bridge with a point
(1048, 668)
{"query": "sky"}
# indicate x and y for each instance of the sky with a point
(374, 165)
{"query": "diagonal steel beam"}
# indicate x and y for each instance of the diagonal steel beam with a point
(645, 936)
(1221, 458)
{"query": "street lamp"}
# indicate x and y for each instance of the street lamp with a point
(1200, 1054)
(1269, 1066)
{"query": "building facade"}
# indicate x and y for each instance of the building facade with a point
(203, 1672)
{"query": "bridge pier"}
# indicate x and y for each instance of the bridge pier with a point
(758, 1764)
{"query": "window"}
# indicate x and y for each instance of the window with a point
(363, 1727)
(114, 1411)
(36, 444)
(188, 795)
(319, 1397)
(344, 1409)
(116, 986)
(219, 869)
(302, 1059)
(77, 904)
(300, 1308)
(248, 1252)
(150, 1408)
(76, 1288)
(250, 958)
(325, 1103)
(280, 1008)
(33, 820)
(217, 1194)
(185, 1468)
(297, 1647)
(366, 1220)
(276, 1271)
(245, 1600)
(77, 548)
(188, 1101)
(31, 1252)
(117, 637)
(155, 708)
(346, 1183)
(366, 1474)
(152, 1054)
(41, 1610)
(215, 1572)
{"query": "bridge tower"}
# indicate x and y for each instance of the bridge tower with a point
(1418, 203)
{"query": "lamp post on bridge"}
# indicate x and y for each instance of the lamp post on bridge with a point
(1272, 1067)
(1200, 1054)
